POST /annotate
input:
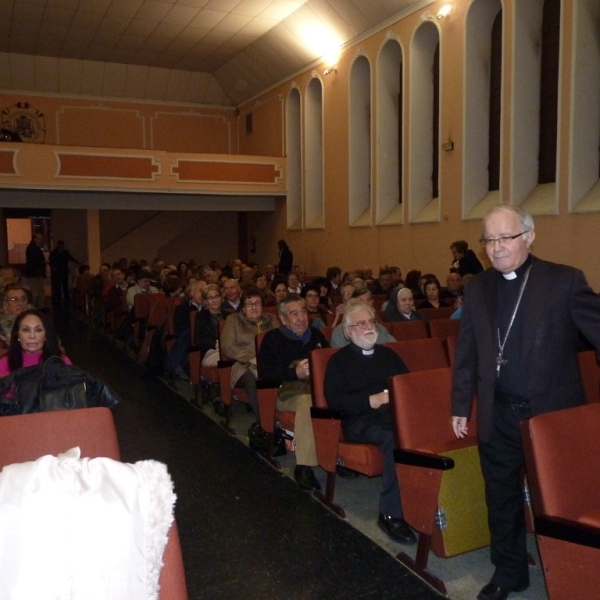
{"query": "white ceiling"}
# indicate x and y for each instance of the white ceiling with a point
(210, 51)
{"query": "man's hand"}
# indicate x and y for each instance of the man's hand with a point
(459, 425)
(376, 400)
(302, 371)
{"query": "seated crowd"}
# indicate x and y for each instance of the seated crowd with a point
(219, 312)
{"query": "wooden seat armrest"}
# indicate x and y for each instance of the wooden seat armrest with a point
(327, 428)
(261, 384)
(267, 403)
(325, 413)
(415, 458)
(568, 531)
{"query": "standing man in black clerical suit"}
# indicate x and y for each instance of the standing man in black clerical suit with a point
(517, 348)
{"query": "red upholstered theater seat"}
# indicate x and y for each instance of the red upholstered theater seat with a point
(27, 437)
(563, 469)
(327, 427)
(439, 475)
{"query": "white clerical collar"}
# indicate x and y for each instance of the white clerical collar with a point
(509, 276)
(368, 352)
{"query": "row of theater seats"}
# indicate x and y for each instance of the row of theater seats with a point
(439, 476)
(28, 437)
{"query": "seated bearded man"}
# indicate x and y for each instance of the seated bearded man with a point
(355, 383)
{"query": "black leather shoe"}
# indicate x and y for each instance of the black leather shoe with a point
(397, 529)
(491, 591)
(305, 478)
(346, 473)
(219, 407)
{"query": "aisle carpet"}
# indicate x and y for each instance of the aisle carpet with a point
(246, 530)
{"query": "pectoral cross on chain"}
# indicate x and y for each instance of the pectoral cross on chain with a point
(499, 362)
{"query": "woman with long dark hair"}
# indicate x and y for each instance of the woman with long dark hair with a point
(32, 342)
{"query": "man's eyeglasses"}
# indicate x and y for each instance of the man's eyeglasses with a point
(505, 239)
(18, 299)
(371, 323)
(312, 295)
(256, 304)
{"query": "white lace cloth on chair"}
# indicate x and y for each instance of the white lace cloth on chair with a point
(76, 528)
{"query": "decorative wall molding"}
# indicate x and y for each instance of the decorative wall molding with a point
(210, 171)
(8, 162)
(50, 167)
(106, 166)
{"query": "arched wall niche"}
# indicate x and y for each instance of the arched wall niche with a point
(538, 199)
(423, 207)
(313, 156)
(293, 147)
(389, 163)
(359, 124)
(477, 196)
(584, 145)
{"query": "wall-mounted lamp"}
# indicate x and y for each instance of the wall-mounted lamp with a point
(443, 12)
(330, 70)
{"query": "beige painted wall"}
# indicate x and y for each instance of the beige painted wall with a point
(171, 235)
(567, 238)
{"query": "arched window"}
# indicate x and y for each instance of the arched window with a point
(360, 142)
(389, 134)
(293, 146)
(495, 117)
(584, 147)
(483, 93)
(313, 148)
(549, 91)
(424, 202)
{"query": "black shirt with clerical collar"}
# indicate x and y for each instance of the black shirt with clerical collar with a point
(513, 374)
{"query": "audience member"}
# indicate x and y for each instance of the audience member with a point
(279, 289)
(432, 292)
(315, 310)
(177, 355)
(270, 272)
(403, 309)
(6, 325)
(384, 286)
(142, 286)
(338, 335)
(346, 290)
(453, 290)
(14, 300)
(238, 342)
(283, 357)
(334, 276)
(396, 277)
(32, 341)
(465, 261)
(206, 326)
(293, 286)
(233, 293)
(356, 382)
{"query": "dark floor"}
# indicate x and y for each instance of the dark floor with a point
(246, 530)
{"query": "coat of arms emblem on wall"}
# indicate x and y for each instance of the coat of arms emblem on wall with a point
(26, 121)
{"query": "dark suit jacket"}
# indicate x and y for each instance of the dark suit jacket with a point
(557, 304)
